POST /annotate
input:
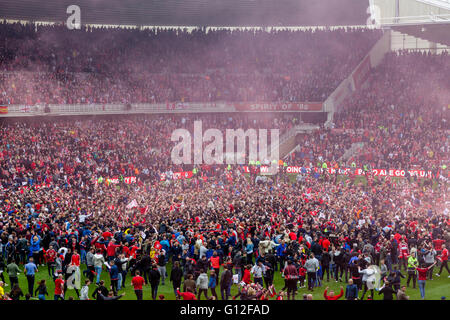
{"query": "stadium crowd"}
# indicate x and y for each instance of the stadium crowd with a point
(57, 204)
(400, 115)
(220, 228)
(112, 65)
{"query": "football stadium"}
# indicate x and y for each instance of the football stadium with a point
(224, 150)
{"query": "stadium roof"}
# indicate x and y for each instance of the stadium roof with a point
(193, 12)
(439, 33)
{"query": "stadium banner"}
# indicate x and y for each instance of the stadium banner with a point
(127, 180)
(25, 109)
(3, 109)
(177, 106)
(356, 171)
(177, 175)
(362, 72)
(279, 106)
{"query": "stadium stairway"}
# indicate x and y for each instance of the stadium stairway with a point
(405, 41)
(288, 141)
(351, 151)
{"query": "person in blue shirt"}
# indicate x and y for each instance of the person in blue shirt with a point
(114, 275)
(249, 250)
(166, 246)
(351, 292)
(212, 282)
(35, 247)
(209, 253)
(231, 241)
(30, 270)
(180, 238)
(280, 255)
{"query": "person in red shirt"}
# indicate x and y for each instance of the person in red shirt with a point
(111, 249)
(50, 256)
(59, 287)
(133, 250)
(126, 250)
(188, 295)
(106, 235)
(444, 260)
(75, 260)
(99, 244)
(423, 271)
(215, 262)
(438, 245)
(137, 282)
(247, 276)
(325, 244)
(281, 295)
(332, 296)
(302, 276)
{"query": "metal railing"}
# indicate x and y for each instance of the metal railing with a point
(423, 19)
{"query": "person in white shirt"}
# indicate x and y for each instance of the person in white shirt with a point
(257, 271)
(84, 293)
(368, 280)
(82, 217)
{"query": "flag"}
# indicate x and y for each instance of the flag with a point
(357, 214)
(3, 109)
(132, 204)
(143, 210)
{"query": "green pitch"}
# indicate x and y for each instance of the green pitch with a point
(434, 289)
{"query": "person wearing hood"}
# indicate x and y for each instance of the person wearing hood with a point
(202, 284)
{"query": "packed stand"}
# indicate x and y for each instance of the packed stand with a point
(54, 65)
(401, 115)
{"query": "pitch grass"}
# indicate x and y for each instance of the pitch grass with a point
(434, 289)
